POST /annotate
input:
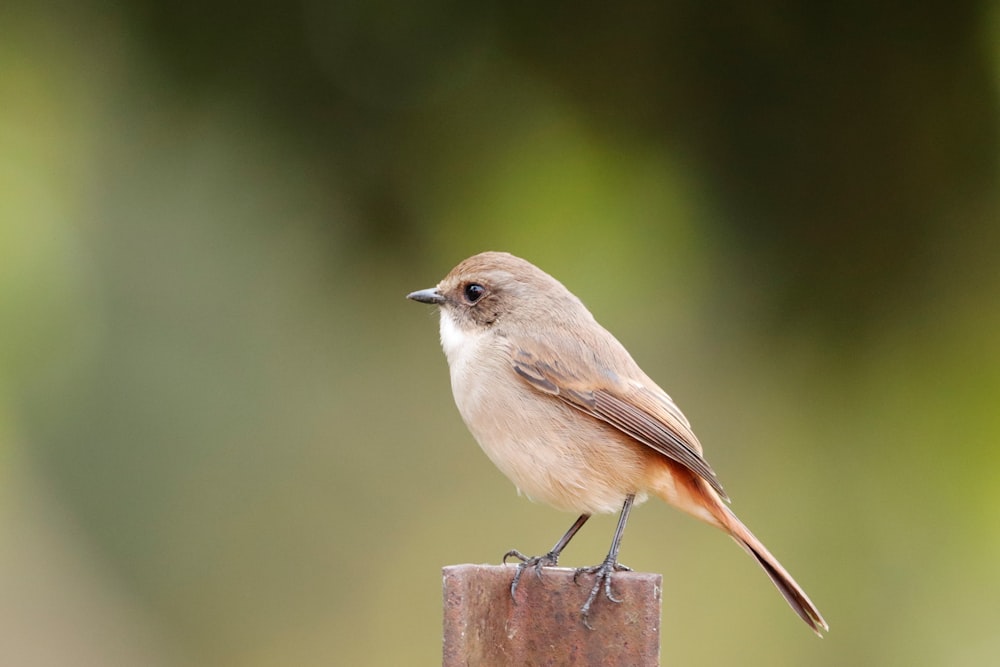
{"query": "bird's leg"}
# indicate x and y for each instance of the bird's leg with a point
(550, 559)
(608, 567)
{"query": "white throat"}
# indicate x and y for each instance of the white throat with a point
(457, 343)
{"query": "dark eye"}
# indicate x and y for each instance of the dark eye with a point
(474, 292)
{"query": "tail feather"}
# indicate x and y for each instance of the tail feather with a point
(684, 490)
(789, 589)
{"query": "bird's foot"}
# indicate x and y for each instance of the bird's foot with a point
(603, 574)
(550, 559)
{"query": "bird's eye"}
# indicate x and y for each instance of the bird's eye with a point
(474, 292)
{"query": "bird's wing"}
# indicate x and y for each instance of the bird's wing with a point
(647, 415)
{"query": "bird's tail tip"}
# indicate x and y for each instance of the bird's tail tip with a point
(783, 581)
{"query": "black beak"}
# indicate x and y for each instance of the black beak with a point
(431, 295)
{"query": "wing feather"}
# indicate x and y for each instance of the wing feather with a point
(647, 417)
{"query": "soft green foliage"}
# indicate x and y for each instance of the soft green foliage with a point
(227, 439)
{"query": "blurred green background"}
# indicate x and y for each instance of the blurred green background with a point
(227, 439)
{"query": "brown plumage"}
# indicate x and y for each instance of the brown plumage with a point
(559, 405)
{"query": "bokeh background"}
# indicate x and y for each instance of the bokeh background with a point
(227, 439)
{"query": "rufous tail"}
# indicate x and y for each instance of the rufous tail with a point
(792, 592)
(689, 493)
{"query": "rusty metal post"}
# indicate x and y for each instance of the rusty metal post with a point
(484, 626)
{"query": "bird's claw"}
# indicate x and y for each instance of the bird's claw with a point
(537, 562)
(603, 574)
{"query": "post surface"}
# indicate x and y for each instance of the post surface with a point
(543, 627)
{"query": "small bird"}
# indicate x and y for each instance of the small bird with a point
(559, 405)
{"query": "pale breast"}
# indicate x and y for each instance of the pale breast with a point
(553, 453)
